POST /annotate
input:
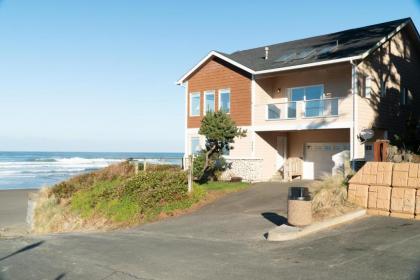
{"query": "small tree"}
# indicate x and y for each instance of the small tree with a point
(220, 131)
(409, 140)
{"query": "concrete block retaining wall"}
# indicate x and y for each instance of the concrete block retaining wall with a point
(250, 169)
(387, 188)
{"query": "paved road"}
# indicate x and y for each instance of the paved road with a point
(222, 241)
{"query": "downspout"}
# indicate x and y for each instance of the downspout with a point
(185, 85)
(354, 92)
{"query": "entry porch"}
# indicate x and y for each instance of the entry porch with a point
(307, 154)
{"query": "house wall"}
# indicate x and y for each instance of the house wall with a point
(266, 148)
(337, 83)
(298, 139)
(242, 148)
(266, 145)
(215, 75)
(397, 64)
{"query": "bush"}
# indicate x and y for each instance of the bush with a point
(217, 166)
(150, 189)
(130, 200)
(66, 189)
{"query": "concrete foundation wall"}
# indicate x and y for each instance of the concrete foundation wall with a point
(248, 169)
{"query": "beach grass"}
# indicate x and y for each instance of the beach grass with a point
(117, 197)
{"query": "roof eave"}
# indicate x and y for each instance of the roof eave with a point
(386, 38)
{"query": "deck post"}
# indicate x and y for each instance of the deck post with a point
(190, 173)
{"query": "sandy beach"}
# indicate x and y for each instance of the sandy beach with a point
(13, 204)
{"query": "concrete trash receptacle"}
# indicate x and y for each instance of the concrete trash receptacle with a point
(299, 207)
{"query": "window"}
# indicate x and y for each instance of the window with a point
(224, 100)
(383, 88)
(195, 104)
(208, 101)
(312, 96)
(306, 93)
(225, 151)
(406, 96)
(368, 87)
(195, 145)
(403, 96)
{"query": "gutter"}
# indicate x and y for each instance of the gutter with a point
(354, 92)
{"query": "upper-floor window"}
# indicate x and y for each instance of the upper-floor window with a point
(209, 101)
(306, 93)
(314, 103)
(406, 96)
(224, 100)
(195, 104)
(368, 87)
(383, 88)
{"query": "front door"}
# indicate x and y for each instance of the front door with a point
(281, 151)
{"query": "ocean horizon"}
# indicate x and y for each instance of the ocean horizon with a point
(33, 170)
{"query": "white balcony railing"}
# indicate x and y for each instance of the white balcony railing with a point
(281, 111)
(328, 107)
(321, 108)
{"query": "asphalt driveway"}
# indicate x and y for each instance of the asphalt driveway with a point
(13, 205)
(222, 241)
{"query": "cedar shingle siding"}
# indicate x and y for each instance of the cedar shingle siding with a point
(215, 75)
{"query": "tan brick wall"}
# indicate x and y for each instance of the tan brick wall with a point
(358, 194)
(387, 189)
(379, 197)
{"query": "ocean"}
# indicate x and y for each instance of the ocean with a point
(33, 170)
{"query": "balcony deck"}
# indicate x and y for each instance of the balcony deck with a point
(298, 115)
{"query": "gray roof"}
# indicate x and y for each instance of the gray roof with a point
(348, 43)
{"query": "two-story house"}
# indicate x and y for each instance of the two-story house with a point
(309, 98)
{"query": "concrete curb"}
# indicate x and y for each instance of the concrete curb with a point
(285, 232)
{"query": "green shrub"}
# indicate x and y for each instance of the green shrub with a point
(66, 189)
(163, 167)
(127, 200)
(154, 188)
(217, 165)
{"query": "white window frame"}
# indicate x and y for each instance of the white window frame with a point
(383, 88)
(289, 91)
(404, 94)
(407, 96)
(192, 94)
(206, 93)
(368, 86)
(191, 141)
(220, 92)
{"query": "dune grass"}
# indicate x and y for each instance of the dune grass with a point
(117, 196)
(329, 197)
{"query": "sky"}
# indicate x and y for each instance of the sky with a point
(99, 75)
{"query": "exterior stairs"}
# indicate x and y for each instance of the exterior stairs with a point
(277, 177)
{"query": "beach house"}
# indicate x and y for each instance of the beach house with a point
(307, 101)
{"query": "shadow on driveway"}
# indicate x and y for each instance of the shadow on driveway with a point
(26, 248)
(275, 218)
